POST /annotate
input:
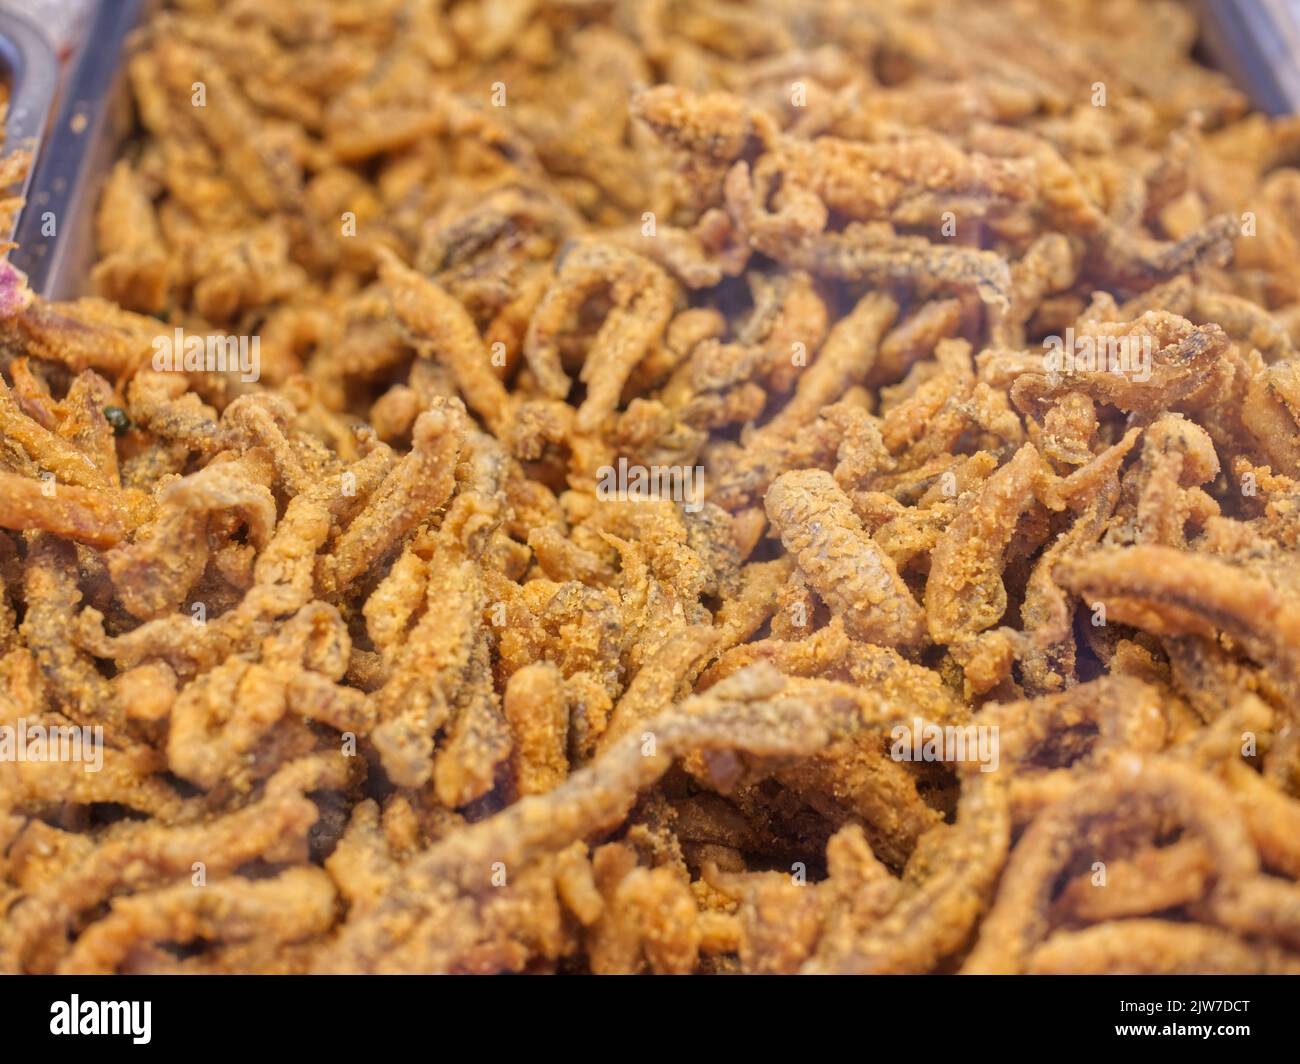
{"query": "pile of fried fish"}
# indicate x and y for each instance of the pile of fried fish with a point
(973, 327)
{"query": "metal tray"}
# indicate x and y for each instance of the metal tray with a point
(93, 117)
(1257, 42)
(30, 69)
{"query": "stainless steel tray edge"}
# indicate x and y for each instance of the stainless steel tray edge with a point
(33, 74)
(93, 117)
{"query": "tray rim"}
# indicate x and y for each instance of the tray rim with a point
(32, 68)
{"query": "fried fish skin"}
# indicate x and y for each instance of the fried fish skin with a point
(1156, 947)
(964, 593)
(536, 708)
(1179, 592)
(365, 640)
(86, 515)
(1020, 917)
(816, 522)
(296, 905)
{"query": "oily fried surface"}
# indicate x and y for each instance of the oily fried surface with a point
(385, 675)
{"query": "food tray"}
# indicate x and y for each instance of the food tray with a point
(30, 69)
(92, 119)
(1255, 41)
